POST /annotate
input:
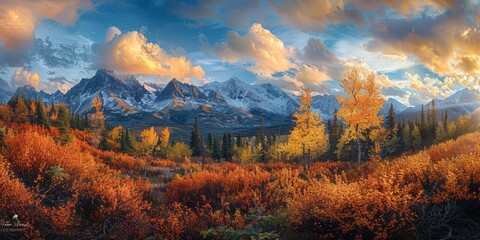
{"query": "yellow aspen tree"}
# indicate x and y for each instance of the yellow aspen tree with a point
(360, 108)
(308, 136)
(165, 137)
(149, 140)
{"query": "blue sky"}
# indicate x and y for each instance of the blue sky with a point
(419, 49)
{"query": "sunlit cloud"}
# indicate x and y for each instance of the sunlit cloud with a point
(131, 53)
(22, 77)
(266, 53)
(18, 21)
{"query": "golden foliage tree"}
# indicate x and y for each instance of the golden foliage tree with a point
(149, 140)
(165, 137)
(360, 107)
(97, 121)
(308, 136)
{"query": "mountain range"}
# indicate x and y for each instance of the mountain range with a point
(231, 104)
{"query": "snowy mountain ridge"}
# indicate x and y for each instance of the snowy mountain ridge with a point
(232, 103)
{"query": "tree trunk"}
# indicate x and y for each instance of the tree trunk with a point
(304, 158)
(359, 159)
(309, 159)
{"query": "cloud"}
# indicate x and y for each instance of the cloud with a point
(18, 21)
(22, 77)
(310, 14)
(428, 88)
(259, 47)
(316, 53)
(60, 55)
(111, 33)
(445, 43)
(131, 53)
(406, 8)
(57, 83)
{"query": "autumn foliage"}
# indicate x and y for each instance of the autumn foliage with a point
(79, 191)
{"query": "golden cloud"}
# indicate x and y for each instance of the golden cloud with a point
(131, 53)
(17, 21)
(258, 47)
(22, 77)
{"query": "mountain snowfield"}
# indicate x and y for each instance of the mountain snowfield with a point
(228, 104)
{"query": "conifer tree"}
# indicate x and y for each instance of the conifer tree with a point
(210, 142)
(434, 122)
(416, 138)
(406, 137)
(260, 140)
(423, 126)
(239, 141)
(225, 147)
(195, 139)
(124, 144)
(216, 149)
(390, 121)
(334, 133)
(42, 115)
(20, 110)
(64, 125)
(445, 121)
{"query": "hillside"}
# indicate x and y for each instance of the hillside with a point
(407, 197)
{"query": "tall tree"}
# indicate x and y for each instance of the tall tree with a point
(391, 145)
(423, 126)
(308, 136)
(149, 140)
(20, 110)
(164, 137)
(195, 139)
(261, 141)
(96, 121)
(406, 137)
(124, 144)
(42, 118)
(239, 142)
(390, 121)
(334, 133)
(64, 125)
(360, 108)
(445, 121)
(226, 147)
(216, 149)
(433, 122)
(416, 138)
(210, 142)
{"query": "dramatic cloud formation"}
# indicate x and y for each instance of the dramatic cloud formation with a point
(259, 47)
(131, 53)
(445, 43)
(22, 77)
(18, 21)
